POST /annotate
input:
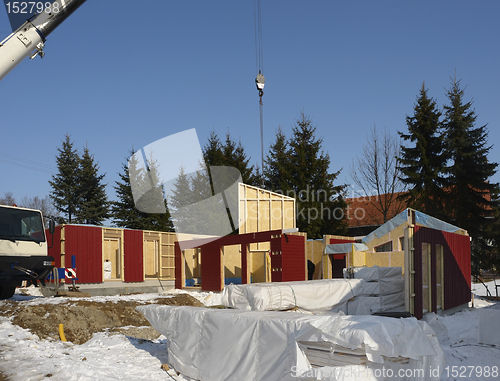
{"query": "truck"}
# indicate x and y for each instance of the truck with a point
(23, 248)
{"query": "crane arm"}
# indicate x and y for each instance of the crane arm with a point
(29, 39)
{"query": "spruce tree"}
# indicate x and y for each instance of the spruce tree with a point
(235, 156)
(213, 152)
(320, 204)
(277, 165)
(93, 205)
(180, 200)
(230, 154)
(155, 203)
(471, 197)
(65, 190)
(124, 211)
(422, 161)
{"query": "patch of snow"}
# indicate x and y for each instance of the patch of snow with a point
(24, 357)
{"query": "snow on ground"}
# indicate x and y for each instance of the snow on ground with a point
(24, 357)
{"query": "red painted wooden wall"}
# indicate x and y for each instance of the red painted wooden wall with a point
(340, 240)
(178, 266)
(211, 276)
(55, 250)
(133, 248)
(294, 266)
(85, 243)
(456, 263)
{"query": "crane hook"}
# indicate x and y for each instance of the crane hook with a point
(260, 82)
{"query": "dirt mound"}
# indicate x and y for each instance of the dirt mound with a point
(83, 318)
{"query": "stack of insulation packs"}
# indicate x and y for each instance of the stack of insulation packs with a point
(324, 294)
(382, 291)
(234, 345)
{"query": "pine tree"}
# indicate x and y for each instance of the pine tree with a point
(180, 200)
(93, 205)
(320, 204)
(235, 156)
(470, 194)
(64, 194)
(125, 213)
(277, 165)
(158, 216)
(213, 152)
(423, 160)
(230, 154)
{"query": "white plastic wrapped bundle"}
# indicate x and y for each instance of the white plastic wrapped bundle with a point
(376, 273)
(307, 295)
(382, 287)
(366, 305)
(218, 345)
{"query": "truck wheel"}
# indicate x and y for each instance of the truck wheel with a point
(7, 292)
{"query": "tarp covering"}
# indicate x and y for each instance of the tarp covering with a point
(434, 223)
(382, 287)
(218, 345)
(367, 305)
(420, 218)
(374, 273)
(341, 248)
(488, 332)
(393, 223)
(307, 295)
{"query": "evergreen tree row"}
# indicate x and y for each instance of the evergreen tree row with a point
(297, 167)
(445, 165)
(78, 192)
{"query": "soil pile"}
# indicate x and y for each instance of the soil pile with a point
(83, 318)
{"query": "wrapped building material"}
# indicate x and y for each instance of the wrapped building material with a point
(382, 287)
(218, 345)
(367, 305)
(383, 290)
(307, 295)
(374, 273)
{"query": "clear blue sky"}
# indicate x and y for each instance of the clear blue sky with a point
(120, 74)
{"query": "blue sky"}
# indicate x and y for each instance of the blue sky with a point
(120, 74)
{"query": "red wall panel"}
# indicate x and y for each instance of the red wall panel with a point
(457, 271)
(178, 266)
(211, 278)
(85, 243)
(133, 247)
(276, 259)
(341, 240)
(457, 267)
(55, 250)
(294, 259)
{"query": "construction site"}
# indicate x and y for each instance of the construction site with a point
(234, 290)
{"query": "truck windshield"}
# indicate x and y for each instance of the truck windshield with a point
(21, 225)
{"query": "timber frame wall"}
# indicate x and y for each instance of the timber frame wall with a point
(113, 254)
(287, 252)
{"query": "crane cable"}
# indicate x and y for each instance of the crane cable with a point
(260, 79)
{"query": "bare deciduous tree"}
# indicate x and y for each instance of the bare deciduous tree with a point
(42, 204)
(8, 199)
(376, 174)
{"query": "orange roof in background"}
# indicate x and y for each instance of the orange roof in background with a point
(365, 211)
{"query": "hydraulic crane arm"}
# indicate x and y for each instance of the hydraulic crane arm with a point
(29, 39)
